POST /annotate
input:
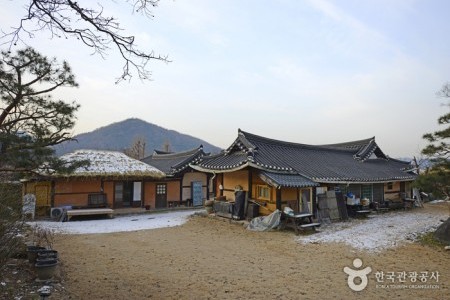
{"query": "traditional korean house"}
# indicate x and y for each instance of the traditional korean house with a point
(112, 179)
(277, 173)
(182, 184)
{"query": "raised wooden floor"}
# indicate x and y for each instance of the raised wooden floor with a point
(89, 211)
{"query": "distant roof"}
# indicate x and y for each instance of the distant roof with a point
(110, 163)
(161, 152)
(174, 163)
(357, 161)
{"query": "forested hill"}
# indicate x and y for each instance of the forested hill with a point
(121, 135)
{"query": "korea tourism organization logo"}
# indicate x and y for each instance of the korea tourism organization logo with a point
(358, 279)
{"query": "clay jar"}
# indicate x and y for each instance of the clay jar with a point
(32, 253)
(45, 269)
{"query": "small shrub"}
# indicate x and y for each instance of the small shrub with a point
(42, 237)
(428, 239)
(11, 223)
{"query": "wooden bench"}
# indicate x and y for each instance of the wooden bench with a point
(97, 205)
(89, 212)
(310, 225)
(299, 221)
(362, 213)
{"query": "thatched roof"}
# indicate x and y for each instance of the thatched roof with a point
(110, 164)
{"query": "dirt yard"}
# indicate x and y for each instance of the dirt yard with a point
(209, 258)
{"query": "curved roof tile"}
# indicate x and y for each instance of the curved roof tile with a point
(173, 163)
(344, 162)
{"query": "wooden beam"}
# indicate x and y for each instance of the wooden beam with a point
(278, 199)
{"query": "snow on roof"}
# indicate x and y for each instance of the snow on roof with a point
(110, 163)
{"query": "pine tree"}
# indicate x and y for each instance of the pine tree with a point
(30, 119)
(436, 179)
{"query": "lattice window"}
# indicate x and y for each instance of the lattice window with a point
(366, 191)
(161, 189)
(263, 192)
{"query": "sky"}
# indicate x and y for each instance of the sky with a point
(304, 71)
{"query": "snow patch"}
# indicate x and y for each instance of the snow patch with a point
(378, 232)
(119, 223)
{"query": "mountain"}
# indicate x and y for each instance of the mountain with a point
(121, 135)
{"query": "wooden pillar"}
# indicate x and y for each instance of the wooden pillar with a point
(208, 176)
(143, 192)
(52, 193)
(314, 200)
(278, 199)
(181, 189)
(250, 187)
(221, 183)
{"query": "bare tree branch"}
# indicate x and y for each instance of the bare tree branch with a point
(67, 18)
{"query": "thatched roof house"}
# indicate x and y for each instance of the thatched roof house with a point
(111, 179)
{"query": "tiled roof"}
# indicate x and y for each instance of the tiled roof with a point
(286, 180)
(173, 163)
(156, 151)
(358, 161)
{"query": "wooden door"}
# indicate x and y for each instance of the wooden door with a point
(123, 194)
(161, 195)
(378, 193)
(197, 193)
(42, 193)
(127, 193)
(118, 194)
(43, 199)
(305, 200)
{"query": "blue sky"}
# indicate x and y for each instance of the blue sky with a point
(313, 72)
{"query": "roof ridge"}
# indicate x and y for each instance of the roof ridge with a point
(241, 141)
(185, 162)
(338, 146)
(176, 154)
(351, 143)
